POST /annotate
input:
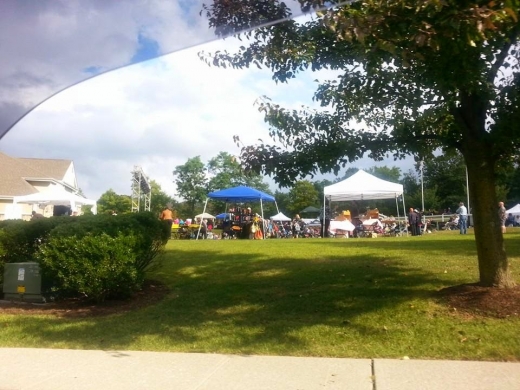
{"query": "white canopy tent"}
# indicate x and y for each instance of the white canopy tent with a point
(363, 186)
(515, 210)
(56, 198)
(204, 215)
(280, 217)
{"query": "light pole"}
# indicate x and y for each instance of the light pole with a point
(421, 165)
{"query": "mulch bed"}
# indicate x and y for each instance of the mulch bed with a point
(151, 293)
(472, 299)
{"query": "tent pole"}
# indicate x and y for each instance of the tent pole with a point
(200, 224)
(277, 209)
(397, 206)
(262, 210)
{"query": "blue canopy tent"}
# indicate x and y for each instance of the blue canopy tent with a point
(223, 216)
(241, 194)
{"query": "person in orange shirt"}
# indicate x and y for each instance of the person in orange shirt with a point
(167, 215)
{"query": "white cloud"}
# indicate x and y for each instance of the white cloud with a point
(156, 114)
(48, 45)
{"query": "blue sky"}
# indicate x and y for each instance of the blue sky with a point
(155, 114)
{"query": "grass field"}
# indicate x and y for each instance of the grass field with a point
(362, 298)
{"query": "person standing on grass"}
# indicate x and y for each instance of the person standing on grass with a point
(462, 211)
(296, 226)
(167, 215)
(204, 229)
(502, 215)
(418, 223)
(413, 220)
(325, 217)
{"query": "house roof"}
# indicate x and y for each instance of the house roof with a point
(13, 171)
(48, 167)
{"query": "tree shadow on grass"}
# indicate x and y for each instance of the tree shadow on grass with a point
(243, 302)
(419, 243)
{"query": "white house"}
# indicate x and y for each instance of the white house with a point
(25, 176)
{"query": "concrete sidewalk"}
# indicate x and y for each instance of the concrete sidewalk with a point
(58, 369)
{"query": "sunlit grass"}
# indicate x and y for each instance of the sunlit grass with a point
(309, 297)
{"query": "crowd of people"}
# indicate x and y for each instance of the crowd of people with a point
(243, 223)
(460, 220)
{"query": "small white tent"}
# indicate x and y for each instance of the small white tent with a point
(56, 198)
(514, 210)
(280, 217)
(204, 215)
(362, 186)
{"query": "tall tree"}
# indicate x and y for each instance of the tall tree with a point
(320, 185)
(227, 172)
(192, 183)
(412, 188)
(110, 202)
(514, 187)
(303, 194)
(447, 173)
(159, 199)
(348, 172)
(283, 200)
(392, 174)
(420, 75)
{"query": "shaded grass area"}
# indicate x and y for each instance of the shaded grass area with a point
(312, 297)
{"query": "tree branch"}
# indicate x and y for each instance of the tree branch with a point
(509, 41)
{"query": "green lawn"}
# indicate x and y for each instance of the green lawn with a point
(362, 298)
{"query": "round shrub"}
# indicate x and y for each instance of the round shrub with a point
(20, 240)
(96, 267)
(150, 234)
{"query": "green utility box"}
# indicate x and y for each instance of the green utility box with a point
(23, 281)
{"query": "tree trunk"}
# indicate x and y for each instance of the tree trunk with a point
(492, 259)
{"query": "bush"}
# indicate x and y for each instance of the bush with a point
(150, 234)
(20, 240)
(94, 266)
(143, 234)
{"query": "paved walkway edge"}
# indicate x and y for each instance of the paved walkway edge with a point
(56, 369)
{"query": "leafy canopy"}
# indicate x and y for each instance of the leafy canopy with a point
(414, 76)
(110, 202)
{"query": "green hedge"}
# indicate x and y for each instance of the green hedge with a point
(149, 233)
(95, 267)
(143, 234)
(20, 240)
